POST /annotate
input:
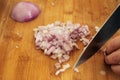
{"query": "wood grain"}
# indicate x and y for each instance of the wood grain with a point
(19, 58)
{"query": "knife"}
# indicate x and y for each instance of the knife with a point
(105, 33)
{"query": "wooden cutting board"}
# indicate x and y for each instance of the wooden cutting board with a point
(19, 58)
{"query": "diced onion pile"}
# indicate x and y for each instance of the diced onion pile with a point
(58, 39)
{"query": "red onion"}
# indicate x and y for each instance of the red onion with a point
(59, 39)
(25, 11)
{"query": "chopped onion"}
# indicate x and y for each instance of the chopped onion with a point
(57, 65)
(16, 46)
(59, 39)
(25, 11)
(76, 70)
(85, 41)
(52, 3)
(97, 28)
(102, 72)
(65, 67)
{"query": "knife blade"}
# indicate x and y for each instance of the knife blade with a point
(108, 29)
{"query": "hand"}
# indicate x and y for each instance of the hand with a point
(113, 55)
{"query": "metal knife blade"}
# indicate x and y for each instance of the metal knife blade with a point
(105, 33)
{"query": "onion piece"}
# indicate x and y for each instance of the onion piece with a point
(25, 11)
(65, 67)
(102, 72)
(76, 70)
(57, 65)
(97, 28)
(16, 46)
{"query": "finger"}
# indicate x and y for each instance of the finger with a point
(113, 58)
(116, 69)
(113, 45)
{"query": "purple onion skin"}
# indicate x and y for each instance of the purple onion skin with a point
(25, 11)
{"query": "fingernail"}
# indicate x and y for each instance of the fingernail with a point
(105, 52)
